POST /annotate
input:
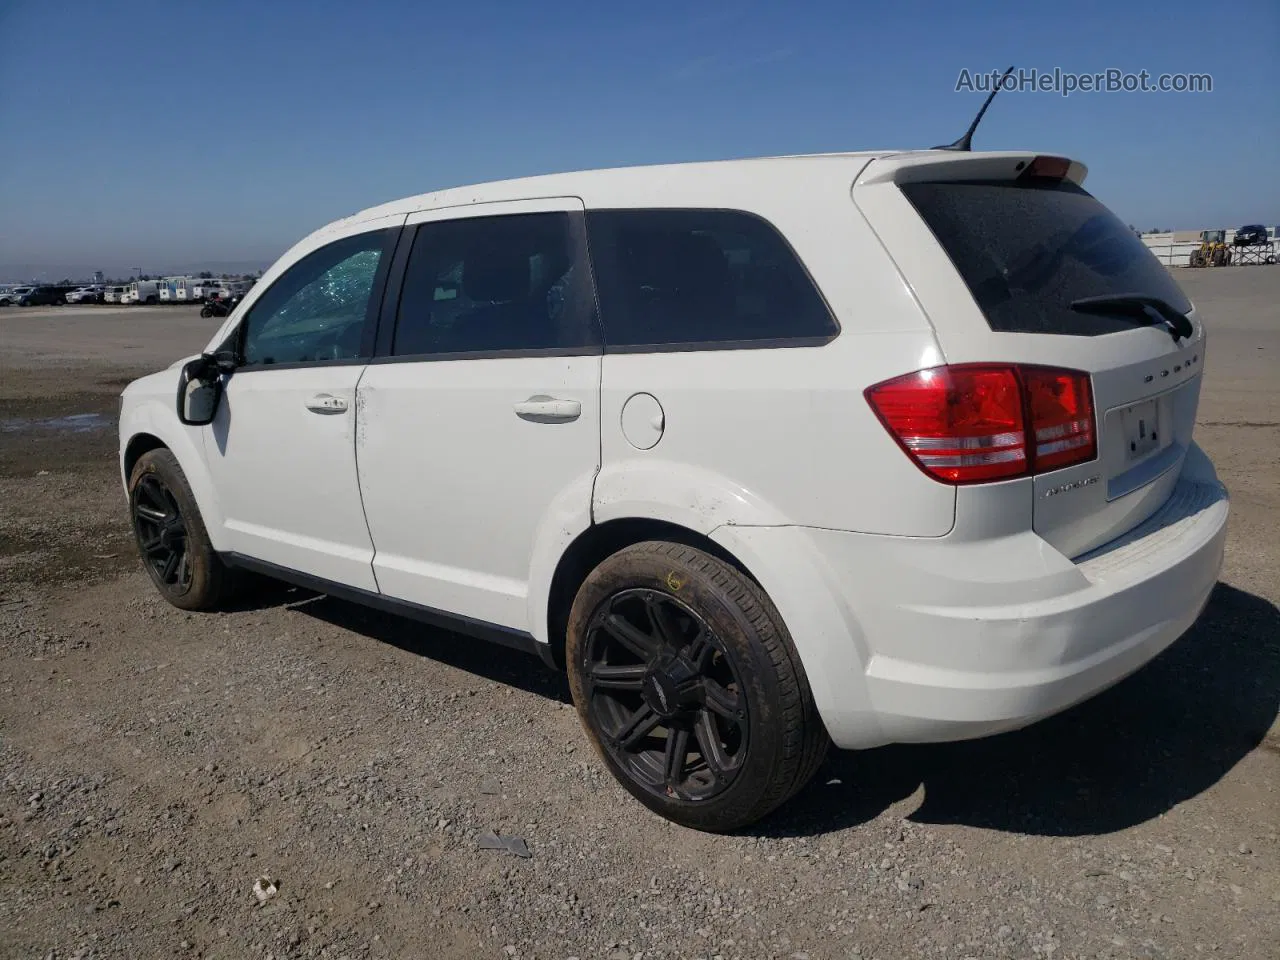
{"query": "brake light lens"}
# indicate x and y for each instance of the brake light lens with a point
(1061, 408)
(975, 423)
(1048, 168)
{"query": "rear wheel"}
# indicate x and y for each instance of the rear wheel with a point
(687, 682)
(171, 535)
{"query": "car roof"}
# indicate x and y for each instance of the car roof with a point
(613, 185)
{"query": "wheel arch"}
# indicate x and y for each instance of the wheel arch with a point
(139, 444)
(153, 425)
(600, 541)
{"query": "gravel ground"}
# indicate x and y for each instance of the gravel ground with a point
(155, 764)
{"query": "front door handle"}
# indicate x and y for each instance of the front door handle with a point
(327, 403)
(544, 409)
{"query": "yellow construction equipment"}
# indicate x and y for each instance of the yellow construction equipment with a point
(1213, 250)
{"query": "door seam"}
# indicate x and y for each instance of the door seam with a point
(358, 413)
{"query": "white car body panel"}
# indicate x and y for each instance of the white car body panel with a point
(286, 475)
(456, 521)
(921, 611)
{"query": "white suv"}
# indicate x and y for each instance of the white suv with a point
(83, 294)
(867, 448)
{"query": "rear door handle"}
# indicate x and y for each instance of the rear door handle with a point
(327, 403)
(544, 409)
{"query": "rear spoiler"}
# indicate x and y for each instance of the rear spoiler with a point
(935, 165)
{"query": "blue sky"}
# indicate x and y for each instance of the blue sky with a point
(321, 108)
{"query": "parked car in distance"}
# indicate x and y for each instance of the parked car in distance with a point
(85, 295)
(210, 287)
(1251, 235)
(223, 289)
(749, 495)
(113, 294)
(13, 295)
(45, 296)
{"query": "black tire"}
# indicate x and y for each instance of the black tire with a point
(166, 521)
(206, 312)
(718, 676)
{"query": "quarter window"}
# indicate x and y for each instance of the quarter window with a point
(320, 308)
(705, 277)
(491, 284)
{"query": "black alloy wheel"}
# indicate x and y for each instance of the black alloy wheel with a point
(665, 695)
(162, 534)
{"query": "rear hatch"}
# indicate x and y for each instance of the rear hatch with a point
(1014, 262)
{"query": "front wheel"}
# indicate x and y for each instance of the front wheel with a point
(689, 686)
(171, 535)
(206, 312)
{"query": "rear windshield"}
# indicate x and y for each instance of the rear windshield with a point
(1028, 249)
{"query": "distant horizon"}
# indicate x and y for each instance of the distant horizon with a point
(76, 273)
(20, 273)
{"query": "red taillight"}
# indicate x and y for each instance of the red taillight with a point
(972, 423)
(1061, 411)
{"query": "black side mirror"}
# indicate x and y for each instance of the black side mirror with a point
(200, 388)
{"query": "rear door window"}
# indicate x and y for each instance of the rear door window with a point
(1027, 249)
(483, 285)
(689, 279)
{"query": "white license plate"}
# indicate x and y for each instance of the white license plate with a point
(1142, 429)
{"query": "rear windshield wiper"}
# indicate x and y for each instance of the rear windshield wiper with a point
(1152, 309)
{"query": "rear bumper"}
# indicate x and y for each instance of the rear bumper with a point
(950, 642)
(1144, 591)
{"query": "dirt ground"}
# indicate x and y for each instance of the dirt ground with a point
(154, 764)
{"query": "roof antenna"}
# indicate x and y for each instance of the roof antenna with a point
(966, 142)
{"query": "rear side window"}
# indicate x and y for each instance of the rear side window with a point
(1028, 249)
(494, 284)
(713, 278)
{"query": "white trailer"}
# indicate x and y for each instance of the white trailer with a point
(141, 291)
(167, 287)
